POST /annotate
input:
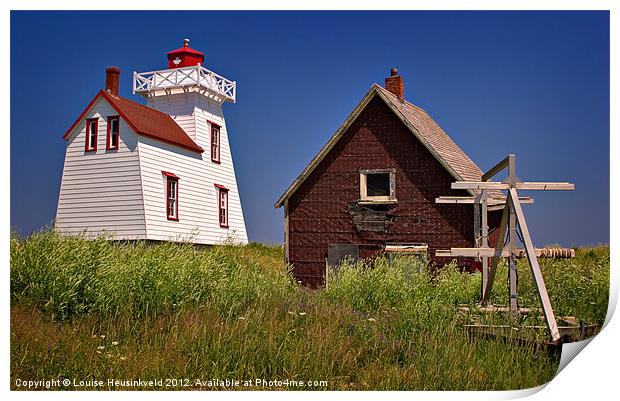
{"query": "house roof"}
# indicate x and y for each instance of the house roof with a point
(421, 125)
(144, 121)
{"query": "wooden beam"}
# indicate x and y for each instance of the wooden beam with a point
(562, 253)
(471, 200)
(546, 186)
(536, 273)
(541, 186)
(484, 201)
(495, 169)
(513, 296)
(479, 185)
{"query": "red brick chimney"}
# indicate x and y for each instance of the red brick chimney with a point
(395, 84)
(112, 76)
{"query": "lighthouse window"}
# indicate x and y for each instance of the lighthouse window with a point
(172, 195)
(215, 143)
(91, 134)
(112, 141)
(222, 198)
(172, 198)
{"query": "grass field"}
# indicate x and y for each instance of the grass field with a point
(188, 317)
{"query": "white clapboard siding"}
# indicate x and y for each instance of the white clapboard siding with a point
(100, 191)
(198, 208)
(198, 202)
(180, 107)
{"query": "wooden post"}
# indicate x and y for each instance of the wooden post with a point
(512, 261)
(485, 238)
(499, 247)
(512, 238)
(536, 273)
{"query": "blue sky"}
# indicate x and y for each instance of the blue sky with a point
(531, 83)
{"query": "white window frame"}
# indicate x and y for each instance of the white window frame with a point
(365, 198)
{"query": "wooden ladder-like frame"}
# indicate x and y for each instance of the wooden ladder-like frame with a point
(511, 216)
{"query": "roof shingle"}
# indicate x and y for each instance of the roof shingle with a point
(436, 138)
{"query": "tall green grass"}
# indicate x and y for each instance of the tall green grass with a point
(175, 310)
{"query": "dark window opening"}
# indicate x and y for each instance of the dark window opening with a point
(378, 184)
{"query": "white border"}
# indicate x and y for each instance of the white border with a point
(593, 374)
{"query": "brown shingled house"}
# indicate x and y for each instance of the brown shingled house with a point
(374, 184)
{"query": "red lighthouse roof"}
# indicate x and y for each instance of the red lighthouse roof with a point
(185, 56)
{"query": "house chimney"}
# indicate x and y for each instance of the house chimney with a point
(112, 76)
(395, 84)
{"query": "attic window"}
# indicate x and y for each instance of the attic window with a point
(91, 134)
(112, 139)
(378, 186)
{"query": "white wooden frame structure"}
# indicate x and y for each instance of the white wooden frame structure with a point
(185, 79)
(511, 216)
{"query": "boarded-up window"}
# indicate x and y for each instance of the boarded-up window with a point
(337, 253)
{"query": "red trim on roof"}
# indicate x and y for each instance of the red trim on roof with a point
(187, 50)
(221, 187)
(144, 121)
(167, 174)
(81, 117)
(214, 123)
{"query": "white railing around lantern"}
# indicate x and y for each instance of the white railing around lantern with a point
(185, 77)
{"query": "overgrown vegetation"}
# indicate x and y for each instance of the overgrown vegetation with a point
(98, 310)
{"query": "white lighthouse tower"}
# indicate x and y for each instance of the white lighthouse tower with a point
(160, 172)
(193, 96)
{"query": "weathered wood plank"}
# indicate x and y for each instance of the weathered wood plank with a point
(540, 186)
(468, 200)
(503, 226)
(538, 278)
(496, 169)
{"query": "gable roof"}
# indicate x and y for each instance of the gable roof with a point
(421, 125)
(144, 121)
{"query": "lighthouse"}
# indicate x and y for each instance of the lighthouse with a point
(160, 171)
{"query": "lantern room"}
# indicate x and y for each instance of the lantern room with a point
(185, 74)
(185, 56)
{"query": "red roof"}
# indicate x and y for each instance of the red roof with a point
(186, 49)
(144, 121)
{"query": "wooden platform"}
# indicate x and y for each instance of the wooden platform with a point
(570, 328)
(568, 334)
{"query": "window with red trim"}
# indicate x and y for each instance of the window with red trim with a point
(215, 143)
(113, 133)
(91, 134)
(172, 197)
(222, 201)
